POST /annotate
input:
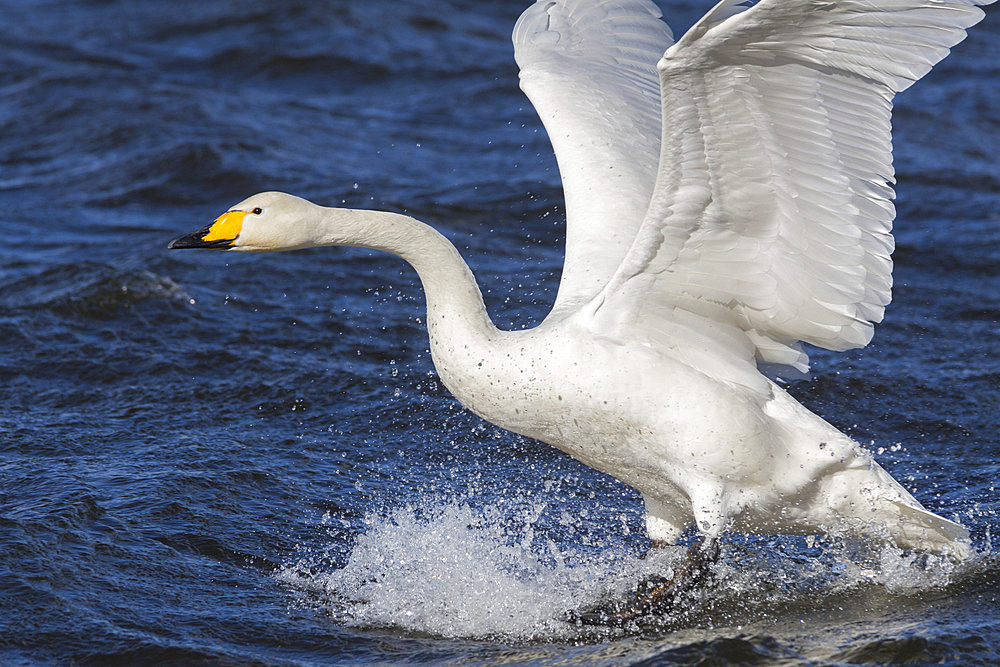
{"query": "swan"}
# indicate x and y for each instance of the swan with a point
(728, 200)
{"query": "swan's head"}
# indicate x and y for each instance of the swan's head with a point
(265, 222)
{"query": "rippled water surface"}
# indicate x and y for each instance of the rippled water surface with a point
(249, 459)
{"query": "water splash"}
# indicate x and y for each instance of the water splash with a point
(448, 568)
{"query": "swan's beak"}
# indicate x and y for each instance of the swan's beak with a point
(220, 234)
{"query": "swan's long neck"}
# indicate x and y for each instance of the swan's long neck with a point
(456, 314)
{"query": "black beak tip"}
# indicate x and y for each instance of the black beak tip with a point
(192, 240)
(197, 240)
(186, 241)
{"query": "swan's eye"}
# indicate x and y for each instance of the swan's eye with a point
(257, 211)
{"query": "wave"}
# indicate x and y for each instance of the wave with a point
(90, 289)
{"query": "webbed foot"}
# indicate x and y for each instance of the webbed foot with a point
(655, 595)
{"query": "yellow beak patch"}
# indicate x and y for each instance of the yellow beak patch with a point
(226, 227)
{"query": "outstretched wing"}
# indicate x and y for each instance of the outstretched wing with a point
(589, 69)
(772, 210)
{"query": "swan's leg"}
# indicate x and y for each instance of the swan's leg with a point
(660, 595)
(657, 594)
(657, 544)
(662, 526)
(662, 523)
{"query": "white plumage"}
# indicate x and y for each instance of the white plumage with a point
(773, 195)
(729, 197)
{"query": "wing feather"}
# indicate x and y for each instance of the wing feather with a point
(772, 209)
(589, 69)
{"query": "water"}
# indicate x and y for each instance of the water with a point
(211, 458)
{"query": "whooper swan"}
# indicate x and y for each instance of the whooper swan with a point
(701, 251)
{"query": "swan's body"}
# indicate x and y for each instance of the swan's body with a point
(757, 219)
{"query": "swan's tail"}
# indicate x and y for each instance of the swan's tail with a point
(919, 529)
(852, 492)
(881, 508)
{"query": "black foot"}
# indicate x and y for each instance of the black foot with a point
(656, 595)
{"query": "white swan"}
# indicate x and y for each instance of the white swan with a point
(757, 219)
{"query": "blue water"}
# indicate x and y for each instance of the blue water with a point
(207, 458)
